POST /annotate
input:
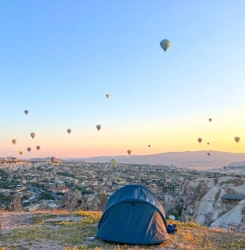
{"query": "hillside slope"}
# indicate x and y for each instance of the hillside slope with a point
(59, 230)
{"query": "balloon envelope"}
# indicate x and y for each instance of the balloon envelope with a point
(98, 127)
(165, 44)
(38, 147)
(53, 159)
(33, 135)
(26, 112)
(29, 149)
(113, 162)
(107, 95)
(14, 141)
(129, 152)
(21, 153)
(69, 130)
(237, 139)
(199, 140)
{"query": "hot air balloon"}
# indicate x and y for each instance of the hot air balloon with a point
(149, 146)
(14, 159)
(237, 139)
(38, 147)
(98, 127)
(33, 135)
(14, 141)
(165, 44)
(113, 162)
(199, 140)
(29, 149)
(210, 119)
(53, 159)
(69, 130)
(21, 153)
(208, 154)
(26, 112)
(129, 152)
(107, 95)
(208, 143)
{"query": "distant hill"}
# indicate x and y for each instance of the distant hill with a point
(196, 159)
(237, 164)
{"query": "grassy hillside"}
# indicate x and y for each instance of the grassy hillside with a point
(73, 231)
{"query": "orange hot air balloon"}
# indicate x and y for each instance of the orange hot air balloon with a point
(21, 153)
(29, 149)
(14, 141)
(98, 127)
(210, 119)
(107, 95)
(129, 152)
(38, 147)
(53, 159)
(33, 135)
(237, 139)
(26, 112)
(69, 130)
(199, 140)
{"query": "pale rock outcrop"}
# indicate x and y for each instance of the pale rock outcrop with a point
(232, 219)
(71, 201)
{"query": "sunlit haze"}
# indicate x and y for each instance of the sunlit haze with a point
(59, 59)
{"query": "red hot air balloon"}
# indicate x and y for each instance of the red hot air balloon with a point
(53, 159)
(38, 147)
(129, 152)
(199, 140)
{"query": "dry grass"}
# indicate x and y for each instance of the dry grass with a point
(70, 235)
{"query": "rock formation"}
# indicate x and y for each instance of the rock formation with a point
(15, 205)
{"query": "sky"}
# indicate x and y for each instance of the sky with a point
(59, 59)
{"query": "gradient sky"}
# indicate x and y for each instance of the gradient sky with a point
(59, 59)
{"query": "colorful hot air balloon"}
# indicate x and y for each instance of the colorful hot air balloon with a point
(38, 147)
(69, 130)
(98, 127)
(21, 153)
(237, 139)
(107, 95)
(53, 159)
(165, 44)
(129, 152)
(210, 119)
(14, 159)
(26, 112)
(29, 149)
(113, 162)
(33, 135)
(199, 140)
(14, 141)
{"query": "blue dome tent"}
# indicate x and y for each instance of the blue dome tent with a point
(133, 215)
